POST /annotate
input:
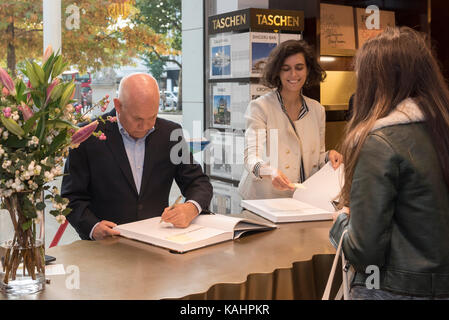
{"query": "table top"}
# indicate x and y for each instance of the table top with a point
(120, 268)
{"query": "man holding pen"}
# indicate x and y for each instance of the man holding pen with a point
(128, 176)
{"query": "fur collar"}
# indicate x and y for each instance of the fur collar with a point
(406, 112)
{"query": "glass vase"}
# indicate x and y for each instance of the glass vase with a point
(22, 246)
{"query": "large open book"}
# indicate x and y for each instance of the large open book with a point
(203, 231)
(313, 202)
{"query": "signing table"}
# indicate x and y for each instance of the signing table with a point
(291, 262)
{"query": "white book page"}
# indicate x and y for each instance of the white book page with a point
(321, 188)
(287, 206)
(153, 229)
(217, 221)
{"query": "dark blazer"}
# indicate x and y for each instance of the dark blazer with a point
(100, 185)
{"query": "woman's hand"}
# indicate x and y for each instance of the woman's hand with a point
(335, 158)
(280, 181)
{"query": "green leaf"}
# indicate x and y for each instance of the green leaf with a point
(66, 211)
(27, 225)
(54, 213)
(60, 124)
(57, 141)
(20, 89)
(31, 121)
(40, 206)
(16, 143)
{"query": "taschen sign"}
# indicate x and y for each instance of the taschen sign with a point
(257, 19)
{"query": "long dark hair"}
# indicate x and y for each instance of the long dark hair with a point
(395, 65)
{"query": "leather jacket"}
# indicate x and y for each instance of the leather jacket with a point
(399, 206)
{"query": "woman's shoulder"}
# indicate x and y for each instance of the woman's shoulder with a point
(264, 102)
(267, 98)
(313, 104)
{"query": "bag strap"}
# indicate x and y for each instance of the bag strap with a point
(328, 288)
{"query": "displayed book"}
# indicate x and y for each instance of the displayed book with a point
(262, 44)
(311, 202)
(220, 56)
(286, 210)
(229, 101)
(205, 230)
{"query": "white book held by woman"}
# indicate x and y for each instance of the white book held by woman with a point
(311, 201)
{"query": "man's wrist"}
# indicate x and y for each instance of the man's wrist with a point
(196, 204)
(91, 234)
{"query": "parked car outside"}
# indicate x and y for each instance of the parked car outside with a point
(168, 100)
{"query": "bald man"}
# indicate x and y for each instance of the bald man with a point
(128, 176)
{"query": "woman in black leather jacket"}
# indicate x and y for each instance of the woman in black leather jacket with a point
(396, 153)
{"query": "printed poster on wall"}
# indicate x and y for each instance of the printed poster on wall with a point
(229, 102)
(220, 56)
(337, 30)
(221, 105)
(262, 44)
(386, 19)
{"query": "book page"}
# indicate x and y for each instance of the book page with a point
(217, 221)
(153, 229)
(321, 188)
(287, 206)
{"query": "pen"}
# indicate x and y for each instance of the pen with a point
(174, 204)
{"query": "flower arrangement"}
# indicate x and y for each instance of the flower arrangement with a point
(38, 125)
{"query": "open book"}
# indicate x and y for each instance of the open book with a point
(203, 231)
(313, 202)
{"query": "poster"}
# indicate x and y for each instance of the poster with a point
(226, 199)
(229, 102)
(221, 105)
(386, 19)
(337, 30)
(220, 56)
(262, 44)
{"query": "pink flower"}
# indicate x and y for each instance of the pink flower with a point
(78, 108)
(5, 91)
(84, 133)
(7, 112)
(104, 107)
(50, 89)
(7, 81)
(106, 96)
(112, 119)
(47, 53)
(26, 111)
(102, 137)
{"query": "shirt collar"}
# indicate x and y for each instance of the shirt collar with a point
(125, 133)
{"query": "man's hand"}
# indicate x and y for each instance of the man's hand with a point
(104, 229)
(181, 215)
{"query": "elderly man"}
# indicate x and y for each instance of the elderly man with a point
(128, 176)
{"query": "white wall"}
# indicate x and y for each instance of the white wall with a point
(192, 68)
